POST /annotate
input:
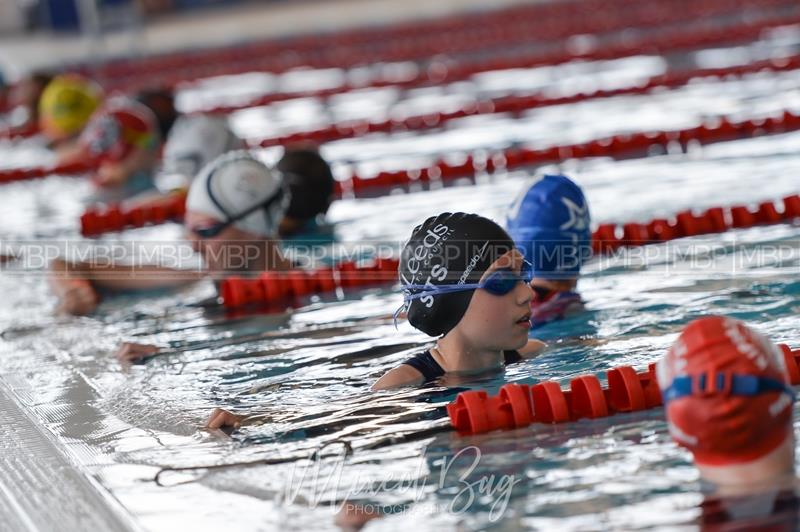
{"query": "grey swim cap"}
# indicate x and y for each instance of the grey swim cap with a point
(234, 183)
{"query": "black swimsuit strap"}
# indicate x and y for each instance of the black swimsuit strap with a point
(427, 365)
(511, 357)
(431, 370)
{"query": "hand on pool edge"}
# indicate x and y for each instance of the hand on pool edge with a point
(221, 418)
(130, 352)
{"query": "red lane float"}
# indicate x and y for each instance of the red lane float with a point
(465, 33)
(618, 146)
(520, 405)
(518, 104)
(440, 73)
(24, 174)
(95, 221)
(608, 238)
(483, 38)
(20, 132)
(275, 286)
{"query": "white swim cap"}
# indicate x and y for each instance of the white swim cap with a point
(193, 142)
(237, 182)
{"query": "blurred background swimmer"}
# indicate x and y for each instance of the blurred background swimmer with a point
(311, 184)
(237, 201)
(65, 107)
(123, 139)
(196, 140)
(550, 224)
(122, 135)
(23, 103)
(192, 143)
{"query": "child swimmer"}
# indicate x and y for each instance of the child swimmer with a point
(464, 282)
(237, 201)
(550, 223)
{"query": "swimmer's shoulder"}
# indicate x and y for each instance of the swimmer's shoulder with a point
(532, 349)
(402, 375)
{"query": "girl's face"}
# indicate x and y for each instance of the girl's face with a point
(499, 322)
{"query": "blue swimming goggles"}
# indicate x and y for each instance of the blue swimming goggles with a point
(499, 283)
(724, 383)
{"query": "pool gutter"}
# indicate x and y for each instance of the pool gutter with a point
(41, 489)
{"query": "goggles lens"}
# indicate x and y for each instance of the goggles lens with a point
(210, 231)
(740, 385)
(501, 282)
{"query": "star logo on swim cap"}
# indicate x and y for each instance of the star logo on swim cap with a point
(578, 216)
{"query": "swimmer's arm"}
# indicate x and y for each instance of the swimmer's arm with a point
(116, 277)
(117, 173)
(402, 375)
(69, 152)
(532, 349)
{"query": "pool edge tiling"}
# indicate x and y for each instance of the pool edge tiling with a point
(41, 489)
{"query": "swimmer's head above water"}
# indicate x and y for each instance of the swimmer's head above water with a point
(464, 282)
(310, 181)
(444, 262)
(193, 142)
(234, 205)
(161, 102)
(550, 223)
(66, 105)
(728, 401)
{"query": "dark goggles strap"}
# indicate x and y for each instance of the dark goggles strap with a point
(277, 195)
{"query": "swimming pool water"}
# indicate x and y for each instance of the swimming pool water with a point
(306, 372)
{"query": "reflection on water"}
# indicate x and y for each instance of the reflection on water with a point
(304, 374)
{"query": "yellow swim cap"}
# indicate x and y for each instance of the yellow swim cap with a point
(66, 105)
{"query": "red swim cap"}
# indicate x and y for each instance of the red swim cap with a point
(722, 385)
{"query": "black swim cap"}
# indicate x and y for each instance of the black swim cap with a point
(310, 181)
(448, 249)
(162, 102)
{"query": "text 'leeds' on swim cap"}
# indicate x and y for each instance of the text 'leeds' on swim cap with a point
(448, 249)
(234, 183)
(721, 428)
(550, 223)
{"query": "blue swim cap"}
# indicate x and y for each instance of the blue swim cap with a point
(549, 223)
